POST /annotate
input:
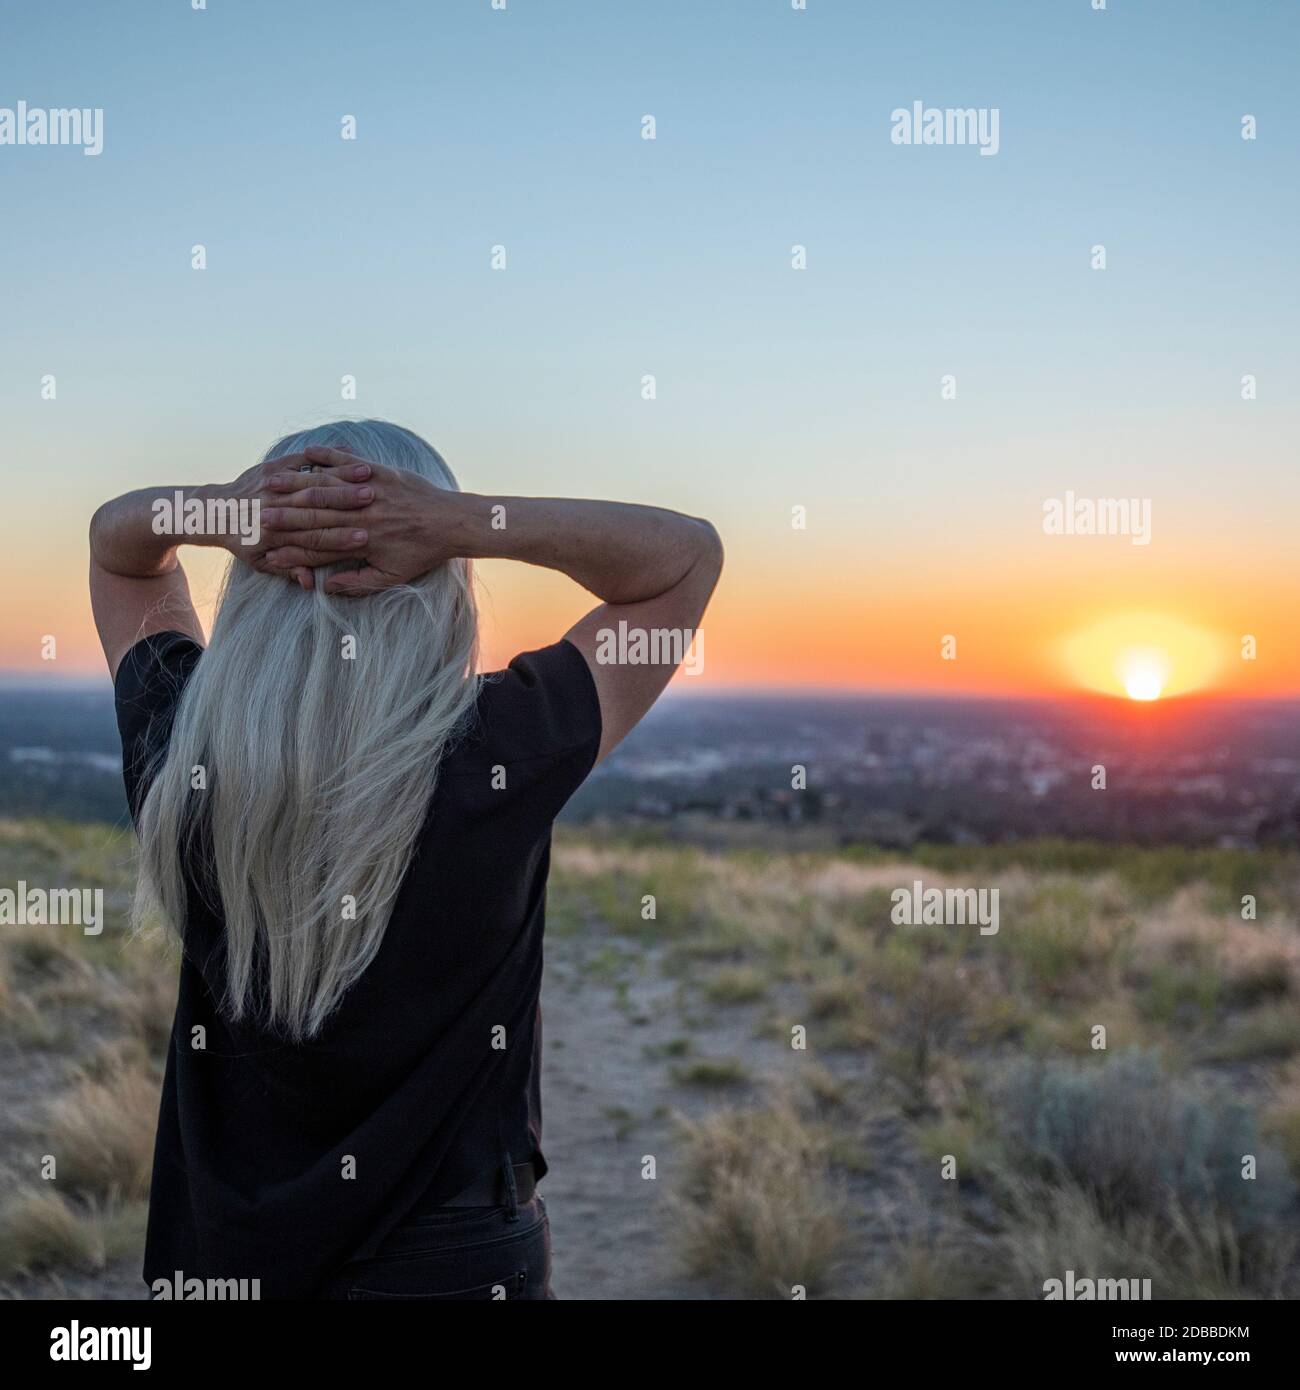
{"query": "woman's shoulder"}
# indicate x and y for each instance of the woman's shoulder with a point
(540, 712)
(146, 691)
(154, 671)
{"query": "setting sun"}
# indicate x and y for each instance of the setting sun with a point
(1143, 656)
(1144, 675)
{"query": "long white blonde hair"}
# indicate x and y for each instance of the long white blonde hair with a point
(320, 756)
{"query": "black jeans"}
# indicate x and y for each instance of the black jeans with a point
(456, 1254)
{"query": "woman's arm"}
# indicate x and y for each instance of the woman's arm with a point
(654, 569)
(137, 585)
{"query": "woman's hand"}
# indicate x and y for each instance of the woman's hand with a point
(411, 526)
(313, 508)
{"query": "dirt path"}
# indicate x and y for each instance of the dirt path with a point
(609, 1099)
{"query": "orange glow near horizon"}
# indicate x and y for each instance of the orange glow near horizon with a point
(1144, 656)
(1012, 639)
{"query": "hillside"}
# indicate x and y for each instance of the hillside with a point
(949, 1129)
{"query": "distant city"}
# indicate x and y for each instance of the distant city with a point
(830, 770)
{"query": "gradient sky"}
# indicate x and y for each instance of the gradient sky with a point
(776, 388)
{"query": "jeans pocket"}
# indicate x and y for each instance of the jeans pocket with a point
(460, 1228)
(499, 1290)
(443, 1218)
(509, 1264)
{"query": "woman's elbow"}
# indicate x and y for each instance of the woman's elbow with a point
(97, 528)
(712, 554)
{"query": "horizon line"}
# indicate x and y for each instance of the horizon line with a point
(17, 681)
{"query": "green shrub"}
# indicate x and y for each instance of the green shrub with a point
(1131, 1137)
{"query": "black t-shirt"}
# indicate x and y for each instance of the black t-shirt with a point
(403, 1086)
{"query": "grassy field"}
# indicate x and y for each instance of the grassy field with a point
(833, 1102)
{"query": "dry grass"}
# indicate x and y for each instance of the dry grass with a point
(1269, 1032)
(760, 1213)
(1189, 962)
(711, 1073)
(100, 1008)
(916, 1031)
(1157, 954)
(933, 1266)
(101, 1131)
(738, 984)
(1186, 1254)
(40, 1230)
(145, 997)
(9, 997)
(1282, 1116)
(928, 1010)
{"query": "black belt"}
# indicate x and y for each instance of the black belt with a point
(490, 1189)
